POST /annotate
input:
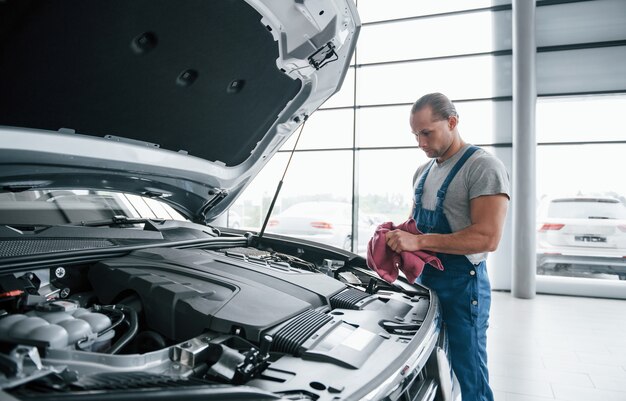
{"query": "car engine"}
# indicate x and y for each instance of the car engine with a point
(200, 317)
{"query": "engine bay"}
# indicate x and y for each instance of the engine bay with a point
(200, 317)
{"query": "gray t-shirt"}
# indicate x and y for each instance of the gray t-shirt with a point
(482, 174)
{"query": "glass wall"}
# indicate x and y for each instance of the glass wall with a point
(312, 176)
(357, 157)
(581, 196)
(358, 149)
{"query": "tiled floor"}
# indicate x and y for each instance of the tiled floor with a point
(557, 348)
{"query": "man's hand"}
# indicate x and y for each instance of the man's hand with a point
(483, 235)
(399, 240)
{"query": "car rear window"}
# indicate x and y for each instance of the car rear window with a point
(587, 209)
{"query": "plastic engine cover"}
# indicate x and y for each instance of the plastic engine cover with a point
(186, 292)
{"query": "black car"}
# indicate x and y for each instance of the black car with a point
(126, 129)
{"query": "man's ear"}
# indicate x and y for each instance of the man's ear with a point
(453, 121)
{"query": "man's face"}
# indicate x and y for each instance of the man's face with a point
(433, 137)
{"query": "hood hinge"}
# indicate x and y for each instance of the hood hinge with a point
(218, 195)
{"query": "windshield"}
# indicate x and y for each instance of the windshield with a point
(54, 207)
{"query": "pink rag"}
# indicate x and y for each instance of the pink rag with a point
(384, 261)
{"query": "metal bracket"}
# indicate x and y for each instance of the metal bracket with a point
(324, 55)
(131, 141)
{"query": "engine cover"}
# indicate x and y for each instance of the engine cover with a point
(187, 292)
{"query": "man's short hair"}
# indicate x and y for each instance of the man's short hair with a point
(441, 107)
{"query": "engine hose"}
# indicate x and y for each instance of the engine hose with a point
(132, 329)
(114, 311)
(109, 309)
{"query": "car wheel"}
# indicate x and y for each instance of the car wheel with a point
(622, 276)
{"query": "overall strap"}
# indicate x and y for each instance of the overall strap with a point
(441, 194)
(420, 186)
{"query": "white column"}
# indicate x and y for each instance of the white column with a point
(524, 150)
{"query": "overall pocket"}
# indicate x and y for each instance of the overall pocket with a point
(456, 290)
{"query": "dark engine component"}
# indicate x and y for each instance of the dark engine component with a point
(234, 367)
(290, 337)
(129, 316)
(187, 292)
(348, 299)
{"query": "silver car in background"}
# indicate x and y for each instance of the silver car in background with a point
(582, 235)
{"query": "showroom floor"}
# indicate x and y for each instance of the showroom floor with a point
(557, 348)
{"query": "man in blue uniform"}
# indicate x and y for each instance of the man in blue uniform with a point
(460, 204)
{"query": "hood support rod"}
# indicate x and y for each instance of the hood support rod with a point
(280, 183)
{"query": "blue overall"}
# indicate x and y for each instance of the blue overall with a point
(465, 295)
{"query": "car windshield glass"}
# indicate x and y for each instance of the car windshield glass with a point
(587, 209)
(55, 207)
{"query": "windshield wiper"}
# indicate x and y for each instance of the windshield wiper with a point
(12, 229)
(150, 224)
(117, 221)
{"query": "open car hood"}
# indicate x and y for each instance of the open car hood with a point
(184, 102)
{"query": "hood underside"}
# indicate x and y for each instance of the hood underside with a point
(200, 77)
(199, 94)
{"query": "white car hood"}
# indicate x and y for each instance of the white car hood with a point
(183, 101)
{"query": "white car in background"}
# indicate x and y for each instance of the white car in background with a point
(324, 222)
(582, 235)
